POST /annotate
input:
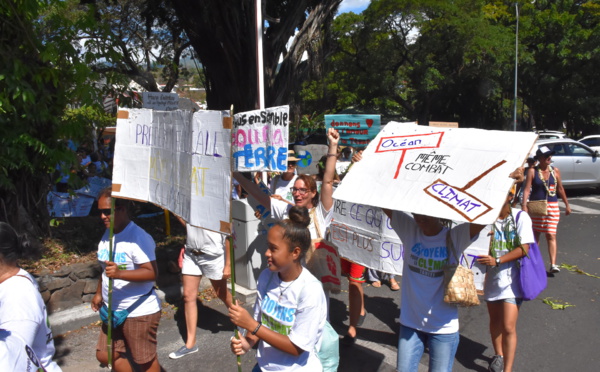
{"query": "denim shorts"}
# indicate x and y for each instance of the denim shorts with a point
(511, 300)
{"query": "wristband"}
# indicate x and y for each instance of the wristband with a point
(328, 155)
(256, 329)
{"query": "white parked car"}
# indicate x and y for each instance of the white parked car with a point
(593, 142)
(550, 134)
(579, 165)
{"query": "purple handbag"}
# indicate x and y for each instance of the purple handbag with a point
(533, 273)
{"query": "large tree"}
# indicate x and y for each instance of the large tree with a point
(560, 47)
(223, 35)
(136, 37)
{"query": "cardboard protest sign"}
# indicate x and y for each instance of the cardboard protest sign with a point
(354, 130)
(211, 171)
(260, 140)
(160, 101)
(61, 204)
(309, 156)
(363, 234)
(178, 161)
(457, 174)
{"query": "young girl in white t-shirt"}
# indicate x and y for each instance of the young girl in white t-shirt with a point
(290, 309)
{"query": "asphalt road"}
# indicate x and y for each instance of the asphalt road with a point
(549, 340)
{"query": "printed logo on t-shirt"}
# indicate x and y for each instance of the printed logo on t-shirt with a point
(120, 258)
(428, 261)
(277, 317)
(504, 241)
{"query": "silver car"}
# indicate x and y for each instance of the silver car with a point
(592, 141)
(579, 165)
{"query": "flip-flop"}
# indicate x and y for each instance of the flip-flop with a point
(376, 284)
(394, 286)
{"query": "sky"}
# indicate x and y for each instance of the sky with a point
(355, 6)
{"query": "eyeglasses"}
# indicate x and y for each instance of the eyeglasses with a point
(291, 165)
(300, 191)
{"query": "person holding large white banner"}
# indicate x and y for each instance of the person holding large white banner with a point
(426, 320)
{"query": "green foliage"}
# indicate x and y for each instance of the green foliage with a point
(47, 89)
(454, 61)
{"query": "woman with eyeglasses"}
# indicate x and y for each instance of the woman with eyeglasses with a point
(544, 183)
(304, 192)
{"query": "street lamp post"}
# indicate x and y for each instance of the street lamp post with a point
(516, 67)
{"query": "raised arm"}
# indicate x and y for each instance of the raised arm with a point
(327, 187)
(253, 190)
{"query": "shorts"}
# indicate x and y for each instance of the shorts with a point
(511, 300)
(354, 271)
(137, 335)
(198, 265)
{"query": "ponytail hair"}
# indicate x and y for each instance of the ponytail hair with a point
(14, 246)
(295, 229)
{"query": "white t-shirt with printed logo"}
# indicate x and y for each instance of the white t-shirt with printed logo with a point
(422, 298)
(503, 282)
(297, 309)
(23, 312)
(132, 248)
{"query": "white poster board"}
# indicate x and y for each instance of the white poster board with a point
(260, 140)
(178, 161)
(452, 173)
(309, 156)
(363, 234)
(160, 101)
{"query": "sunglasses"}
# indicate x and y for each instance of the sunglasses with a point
(106, 211)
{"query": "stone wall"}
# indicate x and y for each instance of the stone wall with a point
(70, 286)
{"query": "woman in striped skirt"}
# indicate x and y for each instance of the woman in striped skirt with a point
(544, 183)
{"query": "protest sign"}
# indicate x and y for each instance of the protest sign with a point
(354, 130)
(61, 204)
(260, 140)
(363, 234)
(309, 156)
(457, 174)
(178, 161)
(160, 101)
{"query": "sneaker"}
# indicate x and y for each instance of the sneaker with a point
(183, 351)
(554, 269)
(497, 364)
